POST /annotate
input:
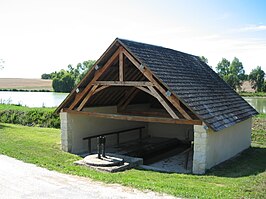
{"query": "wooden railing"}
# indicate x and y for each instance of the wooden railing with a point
(112, 133)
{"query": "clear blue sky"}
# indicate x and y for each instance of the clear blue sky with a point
(41, 36)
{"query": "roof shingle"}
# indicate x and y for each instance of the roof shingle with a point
(195, 83)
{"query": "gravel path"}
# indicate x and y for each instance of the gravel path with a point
(23, 180)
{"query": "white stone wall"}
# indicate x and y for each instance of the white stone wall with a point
(74, 127)
(200, 149)
(212, 148)
(228, 142)
(66, 137)
(178, 131)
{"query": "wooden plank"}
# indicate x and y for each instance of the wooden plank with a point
(163, 103)
(85, 100)
(149, 76)
(135, 118)
(124, 83)
(121, 67)
(96, 76)
(129, 99)
(128, 94)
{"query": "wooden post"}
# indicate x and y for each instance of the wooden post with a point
(121, 67)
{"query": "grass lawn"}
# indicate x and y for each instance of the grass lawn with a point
(249, 94)
(242, 177)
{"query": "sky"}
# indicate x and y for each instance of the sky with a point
(42, 36)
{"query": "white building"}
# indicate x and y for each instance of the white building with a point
(171, 94)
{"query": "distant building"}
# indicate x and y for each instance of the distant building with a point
(247, 87)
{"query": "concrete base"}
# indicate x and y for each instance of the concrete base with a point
(105, 165)
(107, 161)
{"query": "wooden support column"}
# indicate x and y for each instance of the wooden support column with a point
(121, 67)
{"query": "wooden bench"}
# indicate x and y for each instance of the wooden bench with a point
(112, 133)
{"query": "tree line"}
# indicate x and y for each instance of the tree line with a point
(233, 74)
(65, 80)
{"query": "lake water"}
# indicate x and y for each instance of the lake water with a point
(258, 103)
(32, 99)
(51, 99)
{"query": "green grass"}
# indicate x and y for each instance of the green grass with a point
(242, 177)
(249, 94)
(4, 107)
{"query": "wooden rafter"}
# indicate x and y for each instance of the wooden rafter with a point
(163, 103)
(136, 118)
(123, 83)
(121, 67)
(96, 76)
(149, 76)
(88, 96)
(145, 90)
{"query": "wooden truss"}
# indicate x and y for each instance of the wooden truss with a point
(152, 87)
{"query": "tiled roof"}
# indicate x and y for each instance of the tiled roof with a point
(194, 83)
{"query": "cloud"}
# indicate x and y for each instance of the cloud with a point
(253, 28)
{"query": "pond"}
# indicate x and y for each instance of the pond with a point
(52, 99)
(32, 99)
(258, 103)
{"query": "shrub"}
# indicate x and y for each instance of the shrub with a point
(41, 118)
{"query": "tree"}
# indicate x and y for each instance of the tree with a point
(84, 68)
(223, 68)
(46, 76)
(232, 73)
(64, 82)
(204, 59)
(256, 77)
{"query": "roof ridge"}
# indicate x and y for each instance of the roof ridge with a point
(157, 46)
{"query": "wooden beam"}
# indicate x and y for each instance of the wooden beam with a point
(100, 89)
(96, 76)
(163, 103)
(130, 92)
(135, 118)
(146, 90)
(149, 76)
(121, 67)
(86, 99)
(146, 113)
(124, 83)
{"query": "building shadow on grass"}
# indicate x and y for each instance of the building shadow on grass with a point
(250, 162)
